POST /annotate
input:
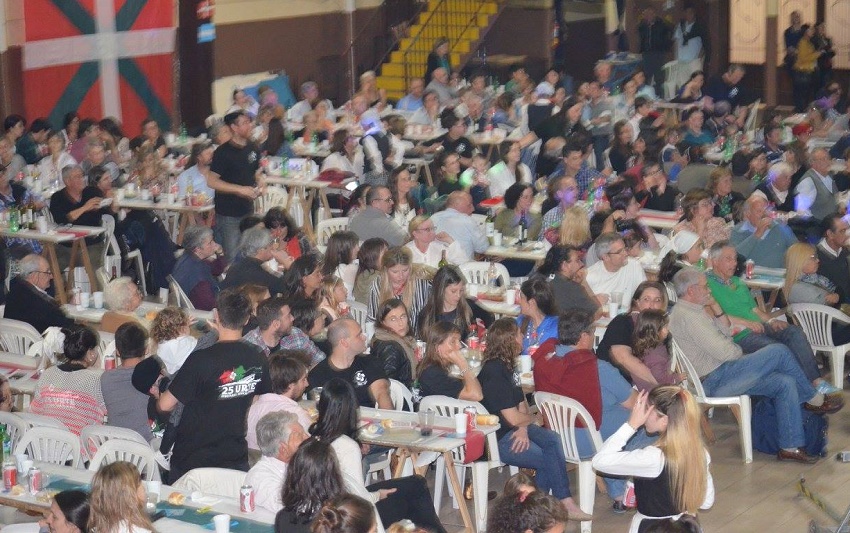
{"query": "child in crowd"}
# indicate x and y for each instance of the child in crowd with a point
(474, 179)
(334, 298)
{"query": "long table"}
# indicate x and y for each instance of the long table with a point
(306, 190)
(76, 235)
(183, 211)
(191, 517)
(95, 316)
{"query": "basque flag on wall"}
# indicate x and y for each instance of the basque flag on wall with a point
(100, 58)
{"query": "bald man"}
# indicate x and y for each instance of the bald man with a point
(457, 222)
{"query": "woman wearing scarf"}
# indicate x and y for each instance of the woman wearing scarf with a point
(392, 344)
(803, 285)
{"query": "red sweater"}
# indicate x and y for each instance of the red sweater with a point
(575, 375)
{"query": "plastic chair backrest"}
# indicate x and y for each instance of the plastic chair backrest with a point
(51, 445)
(108, 224)
(181, 297)
(140, 455)
(16, 336)
(326, 228)
(816, 322)
(561, 413)
(94, 436)
(215, 481)
(273, 197)
(477, 271)
(16, 427)
(693, 381)
(358, 312)
(34, 420)
(401, 396)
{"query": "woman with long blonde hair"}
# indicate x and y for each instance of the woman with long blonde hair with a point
(118, 500)
(399, 278)
(803, 285)
(672, 476)
(575, 228)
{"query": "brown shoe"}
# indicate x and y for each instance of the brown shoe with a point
(831, 404)
(797, 455)
(579, 516)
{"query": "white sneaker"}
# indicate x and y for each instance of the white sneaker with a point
(163, 461)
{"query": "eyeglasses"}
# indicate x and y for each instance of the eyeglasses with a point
(384, 199)
(618, 252)
(45, 272)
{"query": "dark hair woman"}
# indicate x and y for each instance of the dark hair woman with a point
(368, 267)
(69, 513)
(538, 318)
(442, 350)
(564, 268)
(285, 233)
(393, 345)
(341, 257)
(346, 514)
(447, 302)
(304, 278)
(396, 499)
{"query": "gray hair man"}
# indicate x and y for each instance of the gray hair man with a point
(255, 249)
(278, 434)
(816, 190)
(310, 98)
(776, 189)
(375, 221)
(616, 271)
(761, 238)
(27, 300)
(456, 221)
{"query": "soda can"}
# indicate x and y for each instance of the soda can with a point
(246, 499)
(629, 499)
(471, 413)
(750, 266)
(10, 476)
(35, 480)
(420, 350)
(474, 342)
(109, 362)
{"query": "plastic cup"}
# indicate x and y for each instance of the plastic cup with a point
(20, 458)
(222, 523)
(613, 309)
(41, 223)
(460, 423)
(510, 296)
(27, 464)
(163, 295)
(426, 422)
(497, 239)
(171, 198)
(471, 290)
(146, 194)
(97, 298)
(119, 194)
(616, 297)
(525, 363)
(85, 299)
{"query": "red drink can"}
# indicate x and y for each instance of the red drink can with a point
(109, 362)
(419, 352)
(10, 476)
(471, 413)
(246, 499)
(750, 267)
(35, 480)
(474, 342)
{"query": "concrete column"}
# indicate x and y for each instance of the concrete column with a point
(771, 73)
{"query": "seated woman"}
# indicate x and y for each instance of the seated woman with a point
(698, 217)
(341, 258)
(695, 133)
(118, 500)
(68, 513)
(691, 91)
(198, 269)
(447, 302)
(303, 278)
(517, 213)
(526, 510)
(404, 206)
(346, 514)
(393, 345)
(620, 151)
(522, 440)
(672, 476)
(442, 350)
(538, 315)
(288, 237)
(70, 391)
(368, 268)
(395, 499)
(399, 278)
(726, 201)
(685, 249)
(803, 285)
(429, 247)
(449, 179)
(333, 298)
(565, 271)
(509, 170)
(122, 297)
(346, 154)
(650, 340)
(574, 230)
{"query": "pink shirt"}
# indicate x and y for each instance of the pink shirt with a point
(268, 403)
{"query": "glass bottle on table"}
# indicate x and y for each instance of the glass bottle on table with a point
(443, 261)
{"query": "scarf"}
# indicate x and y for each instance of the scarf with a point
(406, 343)
(819, 281)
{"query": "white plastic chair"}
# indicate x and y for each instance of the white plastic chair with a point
(476, 272)
(94, 436)
(741, 406)
(112, 252)
(561, 413)
(182, 299)
(355, 487)
(445, 406)
(51, 445)
(16, 337)
(358, 312)
(140, 455)
(15, 427)
(326, 228)
(401, 396)
(273, 197)
(816, 321)
(34, 421)
(222, 482)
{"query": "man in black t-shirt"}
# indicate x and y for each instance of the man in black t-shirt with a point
(216, 386)
(235, 176)
(727, 87)
(453, 140)
(347, 342)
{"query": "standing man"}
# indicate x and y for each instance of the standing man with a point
(216, 386)
(601, 126)
(654, 35)
(235, 176)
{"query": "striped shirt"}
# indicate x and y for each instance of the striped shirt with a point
(420, 297)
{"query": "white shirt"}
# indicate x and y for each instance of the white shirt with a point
(464, 230)
(350, 460)
(432, 256)
(341, 162)
(266, 477)
(52, 173)
(348, 273)
(501, 177)
(624, 280)
(399, 147)
(690, 51)
(269, 403)
(124, 527)
(296, 113)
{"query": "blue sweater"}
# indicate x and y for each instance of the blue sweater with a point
(767, 251)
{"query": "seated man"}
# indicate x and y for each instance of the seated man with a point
(126, 407)
(816, 190)
(658, 194)
(255, 247)
(455, 220)
(307, 320)
(31, 146)
(755, 328)
(150, 138)
(374, 221)
(568, 366)
(833, 255)
(311, 98)
(412, 101)
(365, 374)
(288, 375)
(96, 157)
(27, 300)
(761, 238)
(616, 271)
(704, 333)
(440, 84)
(274, 321)
(279, 434)
(776, 189)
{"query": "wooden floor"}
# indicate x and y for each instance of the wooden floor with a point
(758, 497)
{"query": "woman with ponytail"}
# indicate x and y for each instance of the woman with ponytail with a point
(345, 514)
(671, 477)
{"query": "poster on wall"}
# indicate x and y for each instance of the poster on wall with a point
(99, 58)
(206, 27)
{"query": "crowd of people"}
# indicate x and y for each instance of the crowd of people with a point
(574, 177)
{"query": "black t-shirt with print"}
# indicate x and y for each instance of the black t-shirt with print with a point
(217, 385)
(237, 165)
(361, 374)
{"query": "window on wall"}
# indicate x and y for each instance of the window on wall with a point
(747, 43)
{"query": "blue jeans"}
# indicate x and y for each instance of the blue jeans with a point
(793, 337)
(772, 372)
(545, 455)
(227, 234)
